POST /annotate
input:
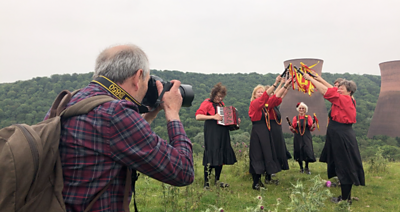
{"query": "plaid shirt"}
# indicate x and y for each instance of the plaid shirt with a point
(96, 147)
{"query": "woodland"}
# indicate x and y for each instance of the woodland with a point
(28, 101)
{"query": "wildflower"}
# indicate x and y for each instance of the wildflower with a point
(259, 197)
(262, 207)
(240, 150)
(222, 210)
(328, 183)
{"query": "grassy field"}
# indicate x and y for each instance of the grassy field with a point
(381, 193)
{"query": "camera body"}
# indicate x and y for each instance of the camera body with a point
(153, 100)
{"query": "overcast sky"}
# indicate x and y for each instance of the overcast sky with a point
(46, 37)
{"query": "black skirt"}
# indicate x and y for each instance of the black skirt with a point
(303, 146)
(217, 145)
(263, 158)
(342, 155)
(280, 145)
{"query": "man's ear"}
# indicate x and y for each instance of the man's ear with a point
(137, 78)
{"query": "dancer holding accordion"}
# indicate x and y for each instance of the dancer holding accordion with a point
(217, 143)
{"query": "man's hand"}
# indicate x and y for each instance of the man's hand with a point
(172, 100)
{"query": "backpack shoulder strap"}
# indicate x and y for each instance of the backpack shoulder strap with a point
(61, 102)
(85, 105)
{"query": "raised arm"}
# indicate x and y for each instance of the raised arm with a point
(284, 90)
(273, 87)
(138, 147)
(321, 80)
(320, 87)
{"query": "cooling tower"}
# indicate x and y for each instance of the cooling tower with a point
(315, 102)
(386, 119)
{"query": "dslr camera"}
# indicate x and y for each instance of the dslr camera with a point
(153, 100)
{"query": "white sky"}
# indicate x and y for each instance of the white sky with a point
(45, 37)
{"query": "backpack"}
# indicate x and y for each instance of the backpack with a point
(30, 168)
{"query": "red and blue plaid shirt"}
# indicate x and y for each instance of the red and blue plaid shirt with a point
(96, 147)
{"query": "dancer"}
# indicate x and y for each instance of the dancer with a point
(263, 158)
(217, 143)
(276, 128)
(302, 126)
(341, 151)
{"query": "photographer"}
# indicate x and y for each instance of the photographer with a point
(104, 144)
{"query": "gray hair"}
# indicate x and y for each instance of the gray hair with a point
(118, 63)
(338, 80)
(303, 105)
(350, 86)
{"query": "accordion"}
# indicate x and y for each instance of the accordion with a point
(230, 117)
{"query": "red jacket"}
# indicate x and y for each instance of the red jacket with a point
(255, 109)
(273, 101)
(207, 108)
(309, 121)
(343, 107)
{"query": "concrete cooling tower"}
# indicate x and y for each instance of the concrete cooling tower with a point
(386, 119)
(315, 102)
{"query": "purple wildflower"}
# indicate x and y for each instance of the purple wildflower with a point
(262, 207)
(240, 150)
(328, 183)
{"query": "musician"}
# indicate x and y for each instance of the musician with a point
(302, 125)
(275, 122)
(341, 151)
(217, 143)
(263, 158)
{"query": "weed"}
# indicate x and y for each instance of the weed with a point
(378, 163)
(311, 199)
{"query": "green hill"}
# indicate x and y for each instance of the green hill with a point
(28, 101)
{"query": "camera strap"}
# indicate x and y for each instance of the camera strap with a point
(119, 92)
(166, 87)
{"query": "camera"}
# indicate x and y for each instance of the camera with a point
(153, 100)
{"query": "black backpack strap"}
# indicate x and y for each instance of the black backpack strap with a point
(135, 177)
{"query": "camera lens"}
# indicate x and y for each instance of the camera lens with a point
(151, 96)
(187, 95)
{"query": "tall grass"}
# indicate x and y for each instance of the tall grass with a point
(295, 191)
